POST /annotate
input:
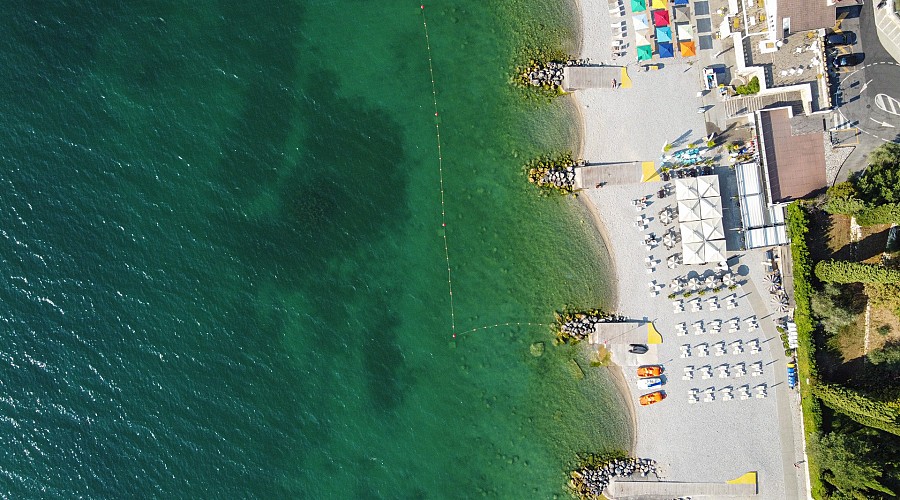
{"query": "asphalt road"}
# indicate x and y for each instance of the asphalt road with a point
(867, 95)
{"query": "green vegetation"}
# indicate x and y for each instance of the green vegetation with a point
(835, 308)
(668, 147)
(752, 87)
(889, 354)
(854, 272)
(843, 199)
(889, 213)
(845, 460)
(863, 408)
(880, 182)
(798, 227)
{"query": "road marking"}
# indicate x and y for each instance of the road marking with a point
(884, 101)
(863, 88)
(883, 124)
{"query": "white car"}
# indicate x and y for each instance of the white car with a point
(649, 383)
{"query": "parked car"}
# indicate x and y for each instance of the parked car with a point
(846, 60)
(840, 38)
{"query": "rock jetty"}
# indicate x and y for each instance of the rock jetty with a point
(576, 326)
(547, 74)
(589, 482)
(554, 173)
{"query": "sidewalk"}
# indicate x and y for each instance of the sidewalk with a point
(888, 24)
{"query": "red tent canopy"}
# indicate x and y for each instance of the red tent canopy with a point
(660, 17)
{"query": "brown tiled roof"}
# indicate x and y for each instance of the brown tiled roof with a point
(806, 14)
(796, 163)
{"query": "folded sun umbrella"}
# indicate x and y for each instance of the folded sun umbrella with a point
(644, 52)
(687, 49)
(660, 18)
(666, 50)
(640, 21)
(638, 5)
(664, 34)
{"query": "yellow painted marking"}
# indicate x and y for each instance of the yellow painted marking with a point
(625, 79)
(648, 172)
(653, 336)
(748, 478)
(837, 23)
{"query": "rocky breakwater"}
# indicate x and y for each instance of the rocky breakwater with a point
(547, 75)
(554, 173)
(573, 327)
(589, 481)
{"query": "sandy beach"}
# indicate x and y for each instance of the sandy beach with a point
(713, 441)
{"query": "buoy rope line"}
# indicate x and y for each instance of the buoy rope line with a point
(437, 129)
(440, 162)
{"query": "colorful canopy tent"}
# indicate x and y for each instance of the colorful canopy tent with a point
(692, 232)
(638, 5)
(688, 210)
(708, 186)
(682, 13)
(658, 4)
(684, 31)
(644, 52)
(686, 189)
(664, 34)
(640, 21)
(681, 2)
(687, 49)
(640, 39)
(660, 18)
(666, 50)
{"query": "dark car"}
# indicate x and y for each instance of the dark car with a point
(845, 60)
(841, 38)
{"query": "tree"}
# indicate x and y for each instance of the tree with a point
(876, 413)
(843, 198)
(834, 307)
(889, 354)
(839, 271)
(848, 464)
(880, 182)
(889, 213)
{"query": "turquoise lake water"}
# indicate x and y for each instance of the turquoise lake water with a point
(223, 271)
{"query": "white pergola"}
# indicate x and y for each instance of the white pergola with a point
(700, 219)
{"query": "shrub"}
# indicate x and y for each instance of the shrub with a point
(889, 354)
(884, 329)
(860, 407)
(752, 87)
(854, 272)
(880, 182)
(889, 213)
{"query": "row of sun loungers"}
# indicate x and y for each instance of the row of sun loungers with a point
(719, 348)
(726, 393)
(723, 371)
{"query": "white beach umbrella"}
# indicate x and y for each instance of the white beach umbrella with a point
(708, 186)
(712, 230)
(694, 284)
(693, 253)
(714, 250)
(710, 281)
(773, 288)
(676, 283)
(728, 279)
(710, 208)
(686, 189)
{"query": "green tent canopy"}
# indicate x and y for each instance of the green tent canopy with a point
(638, 5)
(644, 52)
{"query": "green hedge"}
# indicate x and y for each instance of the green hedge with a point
(889, 213)
(839, 271)
(861, 408)
(798, 227)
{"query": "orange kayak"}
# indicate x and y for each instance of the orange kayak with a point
(653, 397)
(649, 371)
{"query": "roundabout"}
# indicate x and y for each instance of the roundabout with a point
(870, 100)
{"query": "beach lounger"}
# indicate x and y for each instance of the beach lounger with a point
(744, 392)
(709, 395)
(693, 396)
(737, 347)
(720, 349)
(723, 370)
(688, 373)
(739, 370)
(761, 391)
(686, 351)
(706, 372)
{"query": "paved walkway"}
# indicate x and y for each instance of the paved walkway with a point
(888, 24)
(620, 489)
(595, 77)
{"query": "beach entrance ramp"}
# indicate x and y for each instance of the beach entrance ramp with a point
(622, 489)
(595, 77)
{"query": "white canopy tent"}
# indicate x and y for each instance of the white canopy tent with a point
(688, 210)
(711, 208)
(712, 229)
(692, 231)
(708, 186)
(714, 251)
(686, 189)
(693, 253)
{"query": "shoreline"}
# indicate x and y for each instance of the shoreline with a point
(616, 372)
